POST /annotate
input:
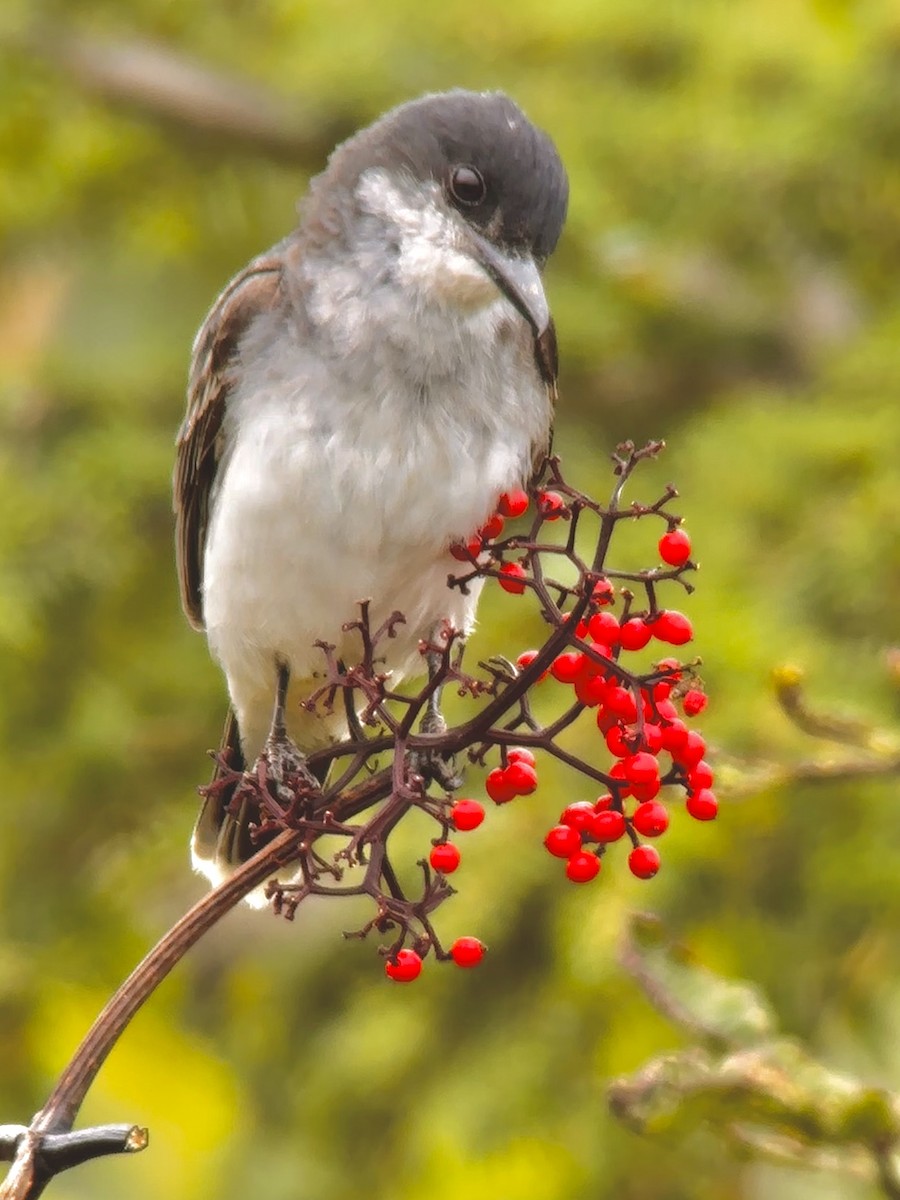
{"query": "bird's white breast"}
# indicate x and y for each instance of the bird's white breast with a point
(346, 478)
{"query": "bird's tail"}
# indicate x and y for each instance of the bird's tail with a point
(221, 841)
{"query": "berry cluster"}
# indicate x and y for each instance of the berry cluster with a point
(642, 717)
(597, 623)
(637, 714)
(652, 747)
(638, 717)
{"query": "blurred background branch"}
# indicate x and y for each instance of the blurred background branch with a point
(185, 95)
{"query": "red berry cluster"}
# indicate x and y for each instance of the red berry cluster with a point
(638, 717)
(517, 778)
(511, 575)
(510, 505)
(652, 747)
(650, 741)
(597, 618)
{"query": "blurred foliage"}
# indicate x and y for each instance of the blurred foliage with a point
(762, 1091)
(727, 281)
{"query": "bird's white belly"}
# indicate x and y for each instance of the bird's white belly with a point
(309, 519)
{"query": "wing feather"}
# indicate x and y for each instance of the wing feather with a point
(546, 359)
(255, 290)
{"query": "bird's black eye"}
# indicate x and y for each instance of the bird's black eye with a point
(467, 186)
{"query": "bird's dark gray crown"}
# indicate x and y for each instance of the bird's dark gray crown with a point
(526, 186)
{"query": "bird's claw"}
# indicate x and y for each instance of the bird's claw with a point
(436, 767)
(431, 764)
(284, 760)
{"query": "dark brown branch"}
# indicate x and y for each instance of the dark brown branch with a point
(50, 1154)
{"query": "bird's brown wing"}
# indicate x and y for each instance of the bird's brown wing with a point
(546, 358)
(255, 290)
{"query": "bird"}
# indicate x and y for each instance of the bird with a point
(359, 397)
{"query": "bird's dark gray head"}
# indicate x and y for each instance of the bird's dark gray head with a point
(472, 192)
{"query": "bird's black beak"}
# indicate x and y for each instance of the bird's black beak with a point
(519, 279)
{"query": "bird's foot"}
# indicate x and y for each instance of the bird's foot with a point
(433, 765)
(286, 766)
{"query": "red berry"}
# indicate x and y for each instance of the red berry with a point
(519, 754)
(616, 744)
(608, 826)
(444, 857)
(703, 805)
(602, 803)
(578, 816)
(599, 663)
(590, 689)
(551, 505)
(643, 861)
(522, 778)
(467, 814)
(650, 819)
(672, 627)
(674, 737)
(671, 666)
(513, 503)
(498, 786)
(566, 667)
(467, 952)
(641, 768)
(511, 576)
(617, 774)
(605, 721)
(406, 967)
(466, 551)
(563, 841)
(620, 701)
(662, 690)
(700, 776)
(692, 751)
(694, 702)
(604, 628)
(524, 661)
(652, 738)
(634, 634)
(603, 592)
(583, 866)
(675, 547)
(646, 791)
(492, 528)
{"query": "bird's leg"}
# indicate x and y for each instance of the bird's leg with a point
(433, 720)
(282, 756)
(431, 764)
(278, 730)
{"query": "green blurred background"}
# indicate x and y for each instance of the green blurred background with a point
(727, 281)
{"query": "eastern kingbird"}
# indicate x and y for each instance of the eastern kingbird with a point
(359, 398)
